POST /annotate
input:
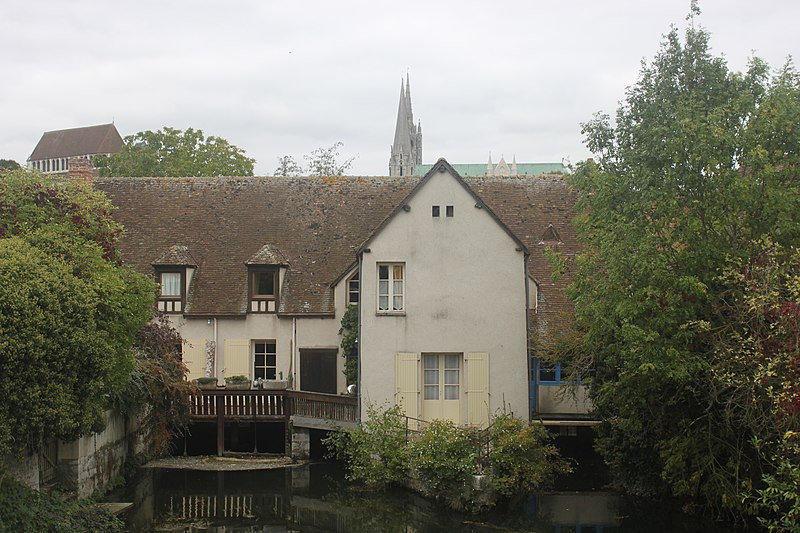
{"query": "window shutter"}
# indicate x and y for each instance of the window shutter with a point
(477, 388)
(194, 357)
(237, 358)
(407, 383)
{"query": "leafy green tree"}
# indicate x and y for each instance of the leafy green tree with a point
(172, 152)
(8, 164)
(68, 311)
(325, 161)
(349, 333)
(287, 166)
(698, 165)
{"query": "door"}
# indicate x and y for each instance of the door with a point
(318, 370)
(441, 386)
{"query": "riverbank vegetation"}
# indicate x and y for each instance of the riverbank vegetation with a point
(687, 294)
(441, 460)
(77, 335)
(25, 510)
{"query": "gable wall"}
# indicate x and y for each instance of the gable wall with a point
(464, 292)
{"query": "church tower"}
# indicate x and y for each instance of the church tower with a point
(407, 147)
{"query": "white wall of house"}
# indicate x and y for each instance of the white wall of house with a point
(464, 294)
(235, 337)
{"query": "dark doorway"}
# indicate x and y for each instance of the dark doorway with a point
(318, 370)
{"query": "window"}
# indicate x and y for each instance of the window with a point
(263, 290)
(263, 284)
(170, 284)
(170, 298)
(264, 359)
(549, 372)
(449, 211)
(435, 211)
(352, 289)
(441, 376)
(390, 288)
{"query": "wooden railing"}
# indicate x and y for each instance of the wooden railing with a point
(325, 406)
(239, 404)
(271, 405)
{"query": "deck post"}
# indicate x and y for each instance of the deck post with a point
(220, 425)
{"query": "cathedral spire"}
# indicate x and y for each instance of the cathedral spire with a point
(407, 147)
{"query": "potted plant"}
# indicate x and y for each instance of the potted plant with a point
(239, 382)
(206, 382)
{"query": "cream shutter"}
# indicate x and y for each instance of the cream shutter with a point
(194, 357)
(237, 358)
(407, 383)
(477, 388)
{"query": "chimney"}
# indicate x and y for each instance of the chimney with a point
(80, 168)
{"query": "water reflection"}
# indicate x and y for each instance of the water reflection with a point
(316, 498)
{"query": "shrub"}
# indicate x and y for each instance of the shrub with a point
(521, 458)
(443, 457)
(439, 461)
(237, 379)
(24, 510)
(376, 452)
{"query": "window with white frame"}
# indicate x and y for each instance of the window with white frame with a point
(391, 287)
(352, 289)
(264, 359)
(441, 375)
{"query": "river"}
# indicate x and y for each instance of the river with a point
(316, 497)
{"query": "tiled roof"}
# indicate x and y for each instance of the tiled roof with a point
(312, 224)
(479, 169)
(90, 140)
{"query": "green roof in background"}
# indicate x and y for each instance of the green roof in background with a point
(479, 169)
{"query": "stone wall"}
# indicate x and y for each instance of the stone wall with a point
(93, 462)
(24, 469)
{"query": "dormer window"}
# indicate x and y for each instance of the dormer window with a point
(174, 271)
(264, 279)
(263, 290)
(171, 295)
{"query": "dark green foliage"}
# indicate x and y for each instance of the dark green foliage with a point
(172, 152)
(157, 389)
(24, 510)
(700, 163)
(376, 451)
(349, 333)
(8, 164)
(440, 459)
(522, 459)
(68, 315)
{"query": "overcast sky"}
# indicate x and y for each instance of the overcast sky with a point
(282, 78)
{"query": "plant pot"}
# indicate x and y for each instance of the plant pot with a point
(206, 385)
(274, 384)
(238, 385)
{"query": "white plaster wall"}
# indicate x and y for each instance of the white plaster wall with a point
(464, 292)
(311, 332)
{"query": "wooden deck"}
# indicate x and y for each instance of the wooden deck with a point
(313, 408)
(270, 405)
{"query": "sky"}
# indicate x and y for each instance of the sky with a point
(510, 78)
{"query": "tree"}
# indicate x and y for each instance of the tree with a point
(700, 164)
(8, 164)
(68, 310)
(324, 161)
(287, 166)
(172, 152)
